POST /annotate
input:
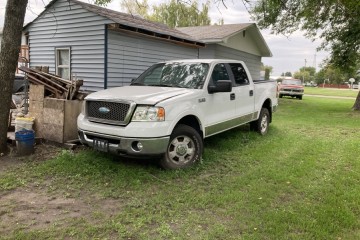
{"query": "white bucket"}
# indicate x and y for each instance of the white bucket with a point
(24, 123)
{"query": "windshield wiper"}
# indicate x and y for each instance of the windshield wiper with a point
(136, 84)
(161, 85)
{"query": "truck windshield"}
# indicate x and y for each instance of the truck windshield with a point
(291, 82)
(183, 75)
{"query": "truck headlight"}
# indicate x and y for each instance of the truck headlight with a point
(149, 113)
(83, 106)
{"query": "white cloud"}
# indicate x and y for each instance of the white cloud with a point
(289, 53)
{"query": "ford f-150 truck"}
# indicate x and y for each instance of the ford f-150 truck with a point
(173, 106)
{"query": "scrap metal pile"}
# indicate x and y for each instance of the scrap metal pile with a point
(55, 86)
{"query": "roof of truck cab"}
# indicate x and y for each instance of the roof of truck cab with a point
(203, 60)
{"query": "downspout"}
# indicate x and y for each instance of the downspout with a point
(106, 56)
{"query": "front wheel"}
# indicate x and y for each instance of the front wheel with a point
(262, 124)
(184, 149)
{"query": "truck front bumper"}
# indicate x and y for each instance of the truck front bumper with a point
(291, 93)
(136, 147)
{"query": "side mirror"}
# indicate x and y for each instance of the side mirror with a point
(220, 86)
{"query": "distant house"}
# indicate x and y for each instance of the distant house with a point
(108, 48)
(232, 41)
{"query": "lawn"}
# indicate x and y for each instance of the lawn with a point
(331, 92)
(301, 181)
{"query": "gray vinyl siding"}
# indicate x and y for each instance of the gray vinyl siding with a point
(253, 62)
(66, 24)
(129, 56)
(207, 52)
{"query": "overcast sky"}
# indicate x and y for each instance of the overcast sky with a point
(289, 53)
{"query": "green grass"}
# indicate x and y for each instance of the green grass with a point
(301, 181)
(331, 92)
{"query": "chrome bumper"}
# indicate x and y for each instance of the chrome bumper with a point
(290, 93)
(127, 146)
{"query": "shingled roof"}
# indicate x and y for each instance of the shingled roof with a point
(137, 24)
(214, 32)
(221, 33)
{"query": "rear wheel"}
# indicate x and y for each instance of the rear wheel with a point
(262, 124)
(184, 149)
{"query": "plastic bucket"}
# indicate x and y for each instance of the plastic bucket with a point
(25, 140)
(24, 123)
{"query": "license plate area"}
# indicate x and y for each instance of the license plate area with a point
(101, 145)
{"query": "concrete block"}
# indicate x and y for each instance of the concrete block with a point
(36, 92)
(36, 106)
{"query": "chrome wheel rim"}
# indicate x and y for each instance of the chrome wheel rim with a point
(181, 150)
(264, 123)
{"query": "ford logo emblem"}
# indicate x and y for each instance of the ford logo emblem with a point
(104, 110)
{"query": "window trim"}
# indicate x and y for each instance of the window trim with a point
(57, 49)
(235, 84)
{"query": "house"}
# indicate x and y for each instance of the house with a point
(108, 48)
(232, 41)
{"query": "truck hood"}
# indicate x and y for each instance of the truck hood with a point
(139, 94)
(291, 86)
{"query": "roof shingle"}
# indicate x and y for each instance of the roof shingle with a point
(134, 21)
(214, 32)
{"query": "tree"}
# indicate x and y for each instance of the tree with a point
(335, 22)
(288, 74)
(268, 70)
(304, 76)
(10, 45)
(174, 13)
(136, 7)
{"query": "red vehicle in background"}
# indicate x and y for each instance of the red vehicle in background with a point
(292, 88)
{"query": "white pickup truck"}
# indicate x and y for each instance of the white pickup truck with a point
(173, 106)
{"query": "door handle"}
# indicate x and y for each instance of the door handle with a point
(232, 96)
(251, 93)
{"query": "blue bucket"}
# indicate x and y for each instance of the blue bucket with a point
(25, 140)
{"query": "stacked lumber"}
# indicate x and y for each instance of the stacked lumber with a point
(56, 86)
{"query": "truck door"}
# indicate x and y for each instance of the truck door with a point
(244, 92)
(220, 106)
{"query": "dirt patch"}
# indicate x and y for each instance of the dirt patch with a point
(33, 209)
(42, 152)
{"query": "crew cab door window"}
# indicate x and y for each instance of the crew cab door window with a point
(219, 73)
(239, 73)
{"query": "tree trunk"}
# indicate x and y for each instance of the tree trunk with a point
(356, 106)
(10, 47)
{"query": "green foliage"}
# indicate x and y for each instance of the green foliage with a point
(179, 14)
(335, 22)
(173, 13)
(300, 181)
(333, 75)
(306, 74)
(136, 7)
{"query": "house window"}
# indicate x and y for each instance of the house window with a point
(63, 62)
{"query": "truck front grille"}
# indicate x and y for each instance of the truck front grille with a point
(117, 113)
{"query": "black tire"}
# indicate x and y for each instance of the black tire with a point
(300, 97)
(184, 149)
(262, 124)
(280, 95)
